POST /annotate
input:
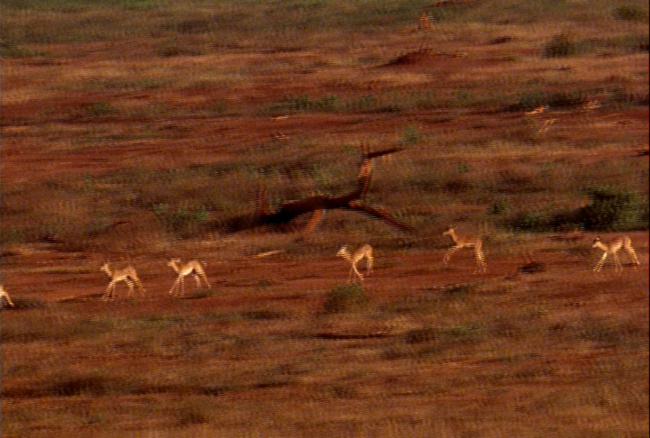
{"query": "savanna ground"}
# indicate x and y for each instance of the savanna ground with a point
(134, 131)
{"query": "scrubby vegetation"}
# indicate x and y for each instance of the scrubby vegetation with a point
(140, 130)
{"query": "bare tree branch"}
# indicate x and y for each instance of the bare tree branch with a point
(317, 205)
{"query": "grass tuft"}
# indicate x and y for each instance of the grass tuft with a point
(345, 298)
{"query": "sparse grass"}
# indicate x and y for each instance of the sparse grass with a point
(345, 298)
(630, 12)
(152, 132)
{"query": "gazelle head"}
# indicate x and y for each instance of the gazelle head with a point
(596, 242)
(343, 251)
(106, 268)
(449, 231)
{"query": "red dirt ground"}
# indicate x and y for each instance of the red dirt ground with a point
(297, 283)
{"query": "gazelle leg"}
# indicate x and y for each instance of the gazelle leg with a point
(205, 278)
(356, 271)
(139, 284)
(617, 262)
(448, 254)
(8, 299)
(174, 286)
(599, 265)
(632, 254)
(480, 260)
(109, 289)
(130, 284)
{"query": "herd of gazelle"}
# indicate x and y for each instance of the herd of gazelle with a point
(475, 243)
(129, 276)
(194, 267)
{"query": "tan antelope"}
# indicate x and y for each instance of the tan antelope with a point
(425, 22)
(612, 248)
(461, 242)
(127, 275)
(355, 257)
(194, 268)
(5, 298)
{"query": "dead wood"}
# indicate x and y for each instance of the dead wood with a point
(317, 205)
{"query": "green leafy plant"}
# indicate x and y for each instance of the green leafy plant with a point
(559, 46)
(499, 206)
(411, 135)
(181, 222)
(613, 209)
(345, 298)
(630, 13)
(100, 109)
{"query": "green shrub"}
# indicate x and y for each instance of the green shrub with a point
(303, 104)
(630, 13)
(613, 209)
(565, 99)
(193, 412)
(182, 222)
(499, 206)
(95, 383)
(345, 298)
(534, 221)
(559, 46)
(411, 135)
(100, 109)
(530, 100)
(9, 49)
(419, 335)
(459, 291)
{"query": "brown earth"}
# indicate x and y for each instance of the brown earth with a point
(383, 395)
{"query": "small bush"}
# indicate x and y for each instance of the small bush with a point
(531, 221)
(10, 50)
(529, 100)
(263, 314)
(419, 335)
(303, 104)
(612, 209)
(181, 223)
(559, 99)
(345, 298)
(28, 303)
(411, 135)
(192, 413)
(172, 47)
(566, 99)
(498, 207)
(559, 46)
(630, 13)
(100, 109)
(65, 384)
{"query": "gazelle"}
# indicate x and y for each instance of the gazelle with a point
(5, 298)
(193, 267)
(539, 110)
(355, 257)
(461, 242)
(612, 249)
(425, 22)
(127, 275)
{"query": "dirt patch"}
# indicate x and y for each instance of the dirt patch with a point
(424, 57)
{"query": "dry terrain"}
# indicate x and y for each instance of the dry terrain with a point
(133, 133)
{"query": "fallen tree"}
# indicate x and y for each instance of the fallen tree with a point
(317, 205)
